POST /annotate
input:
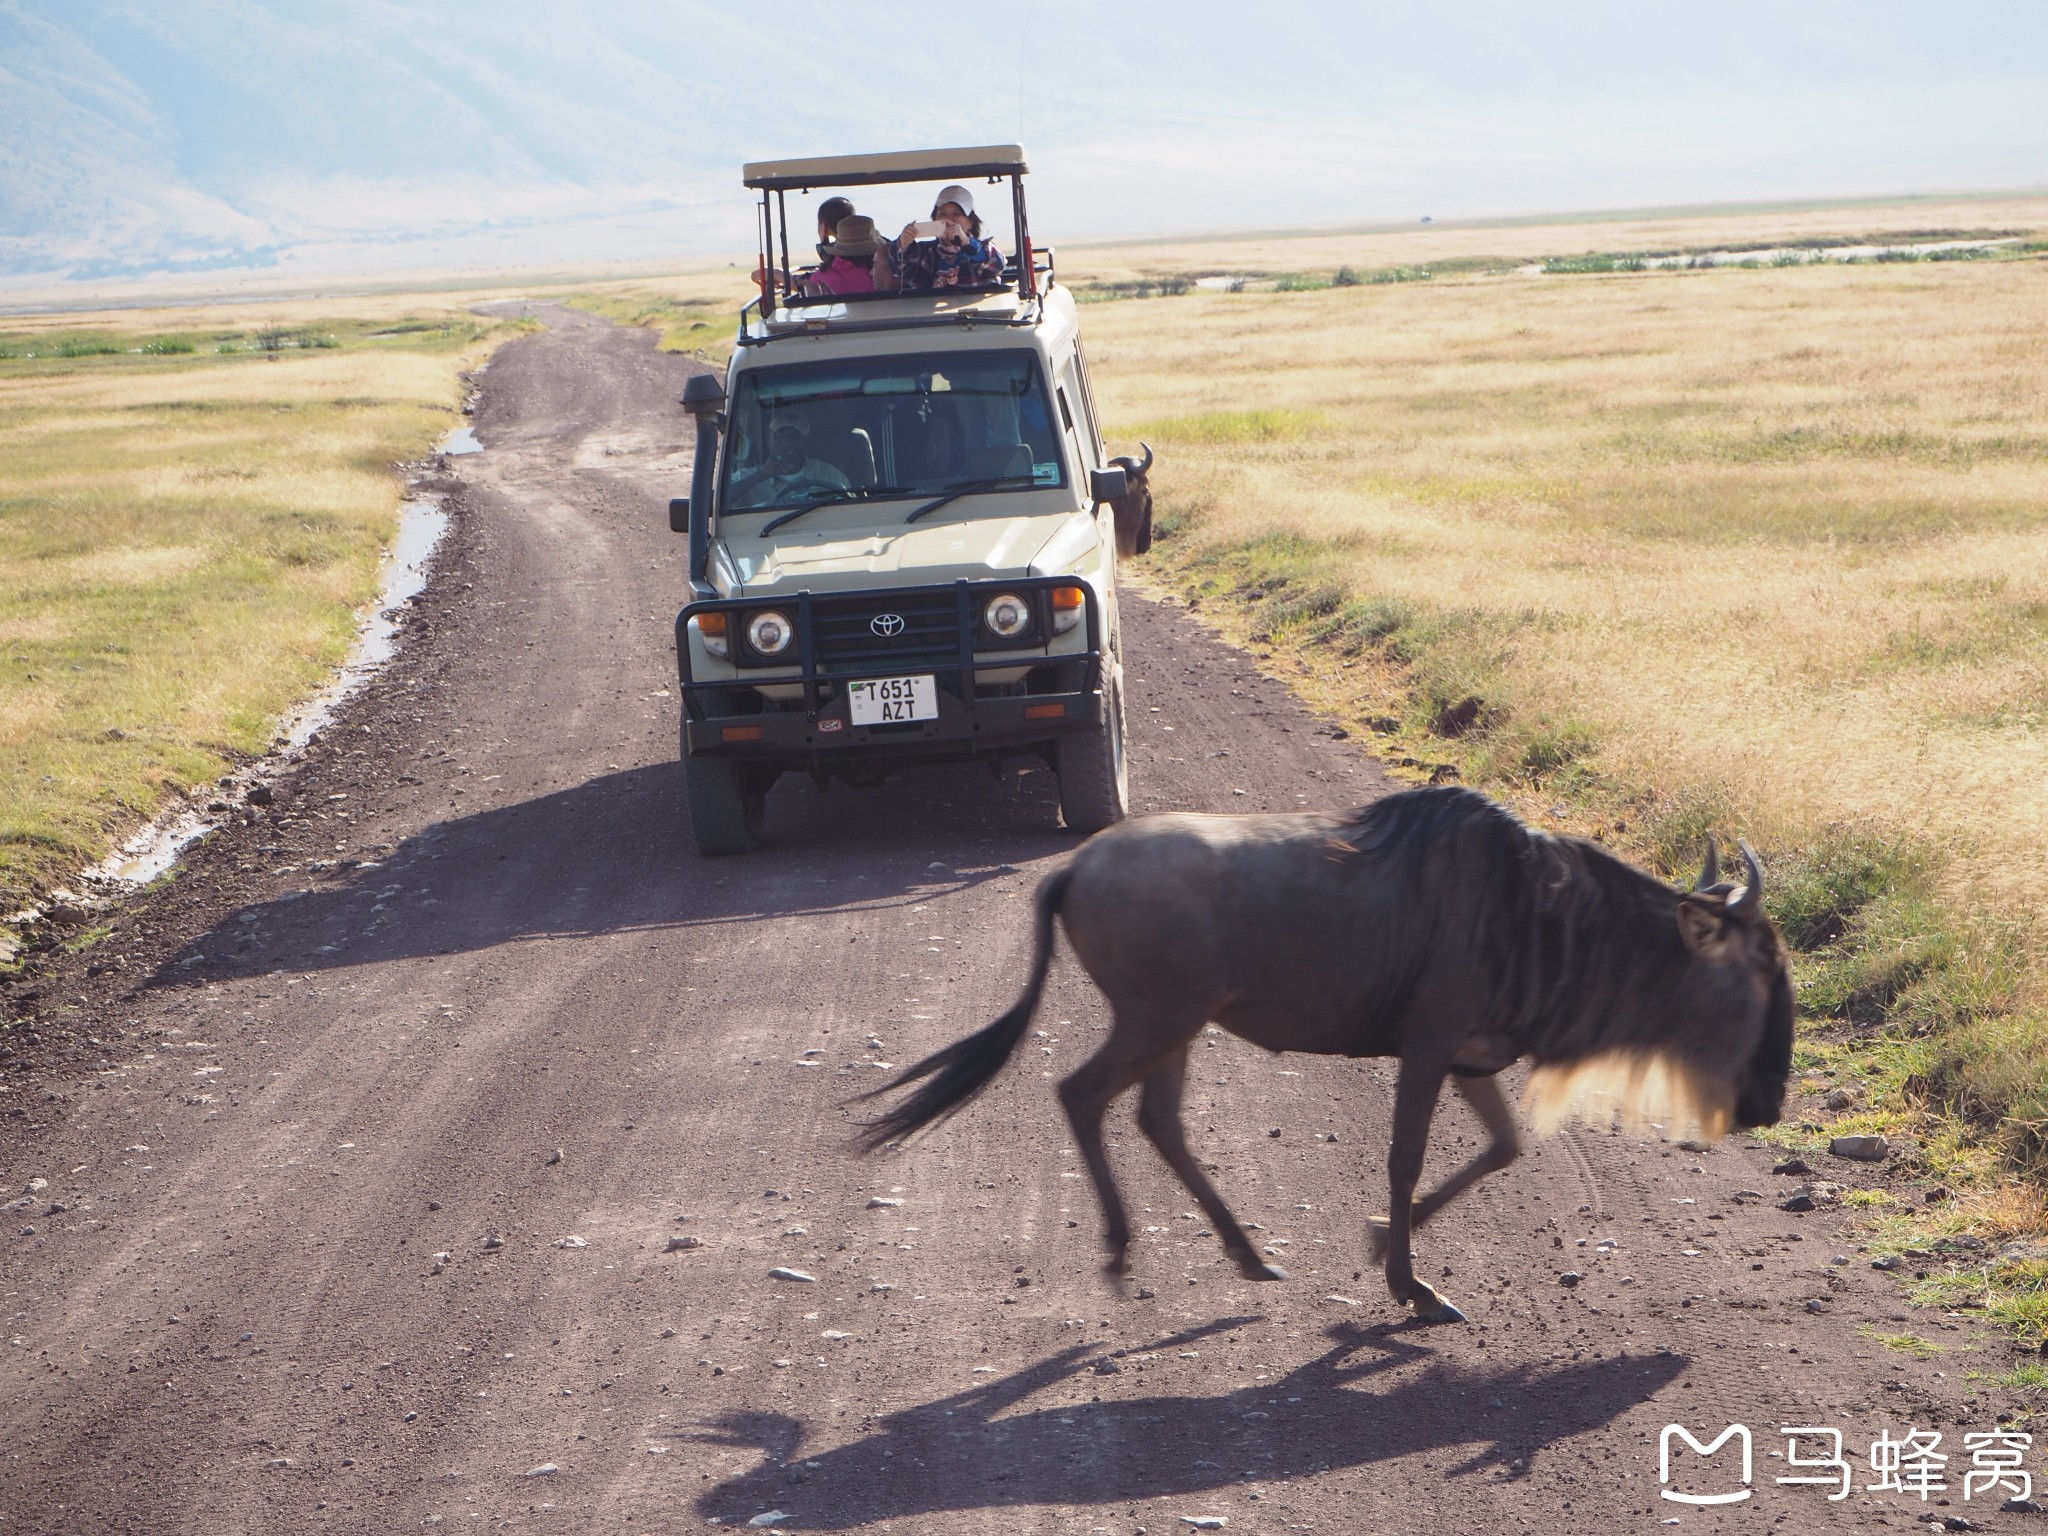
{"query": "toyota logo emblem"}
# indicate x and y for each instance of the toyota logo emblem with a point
(887, 625)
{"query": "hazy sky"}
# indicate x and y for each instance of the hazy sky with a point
(144, 132)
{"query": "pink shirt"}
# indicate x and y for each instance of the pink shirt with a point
(842, 276)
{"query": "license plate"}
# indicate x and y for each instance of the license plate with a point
(890, 700)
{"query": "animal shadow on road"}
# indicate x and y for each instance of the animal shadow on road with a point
(955, 1453)
(613, 855)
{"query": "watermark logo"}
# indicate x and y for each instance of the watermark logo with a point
(1736, 1432)
(1913, 1464)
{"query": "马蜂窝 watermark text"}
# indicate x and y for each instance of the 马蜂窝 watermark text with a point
(1912, 1464)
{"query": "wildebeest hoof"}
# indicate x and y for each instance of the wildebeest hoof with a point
(1256, 1269)
(1441, 1312)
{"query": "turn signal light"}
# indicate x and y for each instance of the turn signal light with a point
(740, 733)
(1045, 711)
(1066, 608)
(713, 628)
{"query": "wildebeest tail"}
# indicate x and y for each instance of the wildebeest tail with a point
(952, 1077)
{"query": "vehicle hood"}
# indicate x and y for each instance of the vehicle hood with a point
(795, 559)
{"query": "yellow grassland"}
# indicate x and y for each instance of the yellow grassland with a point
(185, 541)
(1647, 552)
(1779, 530)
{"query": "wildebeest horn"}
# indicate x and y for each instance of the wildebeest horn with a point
(1712, 870)
(1148, 457)
(1751, 900)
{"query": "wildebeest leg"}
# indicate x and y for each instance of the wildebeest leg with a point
(1159, 1118)
(1415, 1091)
(1484, 1095)
(1086, 1095)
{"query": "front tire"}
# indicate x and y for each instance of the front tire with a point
(1095, 780)
(728, 805)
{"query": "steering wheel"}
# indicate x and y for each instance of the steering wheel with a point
(804, 490)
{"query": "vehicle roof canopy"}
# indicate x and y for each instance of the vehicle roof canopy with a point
(871, 170)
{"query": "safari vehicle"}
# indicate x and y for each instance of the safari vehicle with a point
(901, 541)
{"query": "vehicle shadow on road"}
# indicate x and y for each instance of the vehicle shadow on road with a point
(972, 1451)
(614, 855)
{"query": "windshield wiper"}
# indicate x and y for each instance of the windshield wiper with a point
(852, 493)
(955, 492)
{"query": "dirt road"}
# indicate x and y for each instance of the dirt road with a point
(359, 1207)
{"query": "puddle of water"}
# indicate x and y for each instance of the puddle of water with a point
(461, 440)
(422, 521)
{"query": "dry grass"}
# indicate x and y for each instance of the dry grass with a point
(1759, 550)
(1777, 531)
(184, 540)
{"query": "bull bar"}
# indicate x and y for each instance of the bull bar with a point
(966, 725)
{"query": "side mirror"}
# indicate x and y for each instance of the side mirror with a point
(703, 395)
(679, 514)
(1107, 484)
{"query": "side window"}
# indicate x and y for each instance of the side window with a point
(1076, 418)
(1090, 426)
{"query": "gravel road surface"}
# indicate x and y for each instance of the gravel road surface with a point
(428, 1153)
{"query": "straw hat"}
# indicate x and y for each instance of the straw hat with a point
(854, 235)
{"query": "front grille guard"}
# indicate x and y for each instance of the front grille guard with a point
(963, 669)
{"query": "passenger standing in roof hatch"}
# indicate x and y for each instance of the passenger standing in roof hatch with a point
(945, 251)
(849, 258)
(830, 212)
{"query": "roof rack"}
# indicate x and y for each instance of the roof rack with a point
(990, 160)
(774, 179)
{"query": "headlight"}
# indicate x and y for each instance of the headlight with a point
(1007, 616)
(769, 632)
(1066, 608)
(711, 628)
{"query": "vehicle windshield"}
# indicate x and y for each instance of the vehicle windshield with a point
(914, 424)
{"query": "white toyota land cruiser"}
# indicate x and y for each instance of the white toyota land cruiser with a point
(902, 544)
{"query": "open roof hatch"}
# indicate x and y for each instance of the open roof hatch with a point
(774, 179)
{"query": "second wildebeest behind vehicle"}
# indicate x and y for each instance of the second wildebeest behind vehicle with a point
(1431, 926)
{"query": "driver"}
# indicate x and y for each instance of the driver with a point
(790, 473)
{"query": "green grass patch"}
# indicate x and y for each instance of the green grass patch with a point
(1597, 261)
(703, 328)
(1910, 1344)
(1380, 275)
(2027, 1376)
(1170, 286)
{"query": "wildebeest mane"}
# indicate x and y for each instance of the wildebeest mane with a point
(1567, 934)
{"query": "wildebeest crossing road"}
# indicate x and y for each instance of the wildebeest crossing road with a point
(448, 1183)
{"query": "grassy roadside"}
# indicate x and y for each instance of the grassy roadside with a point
(696, 314)
(1649, 553)
(193, 505)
